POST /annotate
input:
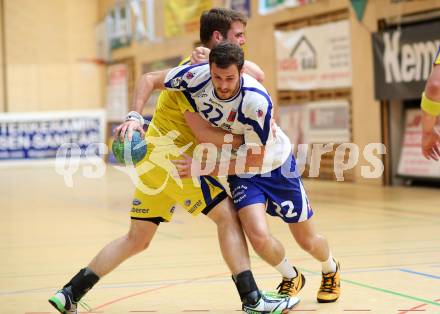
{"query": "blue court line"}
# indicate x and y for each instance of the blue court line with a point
(419, 273)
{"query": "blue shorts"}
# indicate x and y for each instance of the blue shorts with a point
(284, 195)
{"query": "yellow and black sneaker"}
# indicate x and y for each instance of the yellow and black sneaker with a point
(291, 287)
(330, 286)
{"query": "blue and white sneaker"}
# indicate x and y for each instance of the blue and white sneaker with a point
(271, 303)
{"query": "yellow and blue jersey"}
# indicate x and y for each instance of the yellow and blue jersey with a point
(168, 117)
(157, 192)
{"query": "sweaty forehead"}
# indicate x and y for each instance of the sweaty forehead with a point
(236, 27)
(229, 71)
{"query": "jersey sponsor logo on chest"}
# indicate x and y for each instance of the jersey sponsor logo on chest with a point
(212, 101)
(226, 126)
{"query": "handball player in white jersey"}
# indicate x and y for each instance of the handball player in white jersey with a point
(266, 180)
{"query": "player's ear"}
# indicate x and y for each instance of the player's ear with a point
(217, 37)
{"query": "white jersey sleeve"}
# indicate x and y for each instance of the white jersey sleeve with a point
(256, 115)
(188, 77)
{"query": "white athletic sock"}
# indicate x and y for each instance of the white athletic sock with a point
(329, 266)
(285, 269)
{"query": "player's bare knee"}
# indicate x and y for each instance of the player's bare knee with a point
(259, 239)
(138, 239)
(138, 243)
(306, 243)
(222, 215)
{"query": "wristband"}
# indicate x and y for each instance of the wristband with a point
(430, 106)
(135, 116)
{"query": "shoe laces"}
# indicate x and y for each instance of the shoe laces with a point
(85, 306)
(286, 286)
(328, 281)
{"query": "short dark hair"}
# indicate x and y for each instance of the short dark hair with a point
(218, 19)
(226, 53)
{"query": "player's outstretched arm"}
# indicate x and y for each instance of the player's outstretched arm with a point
(145, 87)
(143, 90)
(205, 133)
(251, 162)
(431, 112)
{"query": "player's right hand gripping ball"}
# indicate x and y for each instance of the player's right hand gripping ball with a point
(130, 152)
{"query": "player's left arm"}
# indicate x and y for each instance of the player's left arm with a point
(251, 162)
(259, 131)
(430, 113)
(206, 133)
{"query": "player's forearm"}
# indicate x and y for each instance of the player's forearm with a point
(252, 162)
(253, 70)
(142, 92)
(145, 87)
(428, 122)
(218, 137)
(430, 103)
(432, 89)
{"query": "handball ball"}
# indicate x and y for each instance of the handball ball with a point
(130, 152)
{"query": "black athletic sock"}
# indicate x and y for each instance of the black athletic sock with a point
(247, 287)
(82, 282)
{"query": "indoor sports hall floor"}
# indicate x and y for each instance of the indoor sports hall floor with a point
(387, 240)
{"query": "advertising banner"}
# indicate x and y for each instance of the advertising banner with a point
(412, 162)
(403, 59)
(316, 57)
(270, 6)
(37, 136)
(316, 122)
(117, 92)
(243, 6)
(183, 16)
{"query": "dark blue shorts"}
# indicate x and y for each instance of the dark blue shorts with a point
(281, 190)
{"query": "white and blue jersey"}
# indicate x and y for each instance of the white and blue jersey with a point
(248, 113)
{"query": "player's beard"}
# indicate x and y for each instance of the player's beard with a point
(226, 93)
(223, 94)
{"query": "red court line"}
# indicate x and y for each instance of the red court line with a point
(415, 308)
(155, 289)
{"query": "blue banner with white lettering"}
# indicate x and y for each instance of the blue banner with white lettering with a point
(39, 135)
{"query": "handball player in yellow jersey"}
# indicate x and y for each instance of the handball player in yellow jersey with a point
(157, 192)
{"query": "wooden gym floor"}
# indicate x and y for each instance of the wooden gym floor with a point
(387, 240)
